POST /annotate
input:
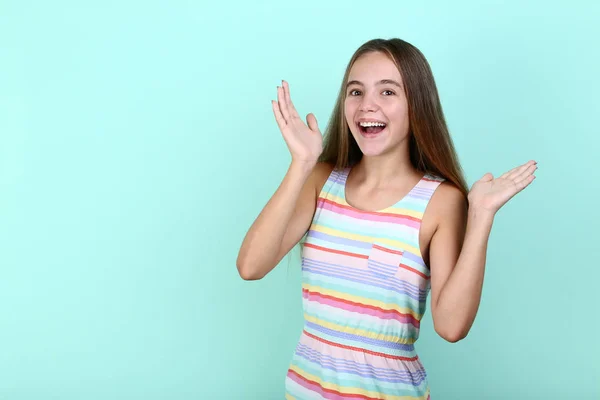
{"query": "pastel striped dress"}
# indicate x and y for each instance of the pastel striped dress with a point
(364, 291)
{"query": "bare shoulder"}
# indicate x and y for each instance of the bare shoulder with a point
(320, 173)
(447, 206)
(448, 202)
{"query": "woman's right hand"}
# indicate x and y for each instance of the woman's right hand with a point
(304, 142)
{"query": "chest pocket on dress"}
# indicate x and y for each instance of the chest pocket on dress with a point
(384, 261)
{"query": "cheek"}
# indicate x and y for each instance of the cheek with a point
(349, 110)
(400, 113)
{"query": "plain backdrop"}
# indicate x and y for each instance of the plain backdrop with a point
(138, 144)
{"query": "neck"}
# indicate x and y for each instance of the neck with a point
(385, 169)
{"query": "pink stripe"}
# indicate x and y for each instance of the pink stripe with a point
(371, 216)
(329, 394)
(361, 264)
(411, 277)
(387, 327)
(331, 217)
(335, 258)
(307, 387)
(367, 359)
(392, 314)
(313, 387)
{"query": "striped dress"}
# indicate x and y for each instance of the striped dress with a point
(364, 291)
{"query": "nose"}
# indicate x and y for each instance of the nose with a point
(368, 103)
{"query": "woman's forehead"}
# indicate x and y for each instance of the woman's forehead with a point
(373, 67)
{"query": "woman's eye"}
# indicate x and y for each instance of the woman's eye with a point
(352, 92)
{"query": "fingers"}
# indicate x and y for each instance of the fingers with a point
(283, 104)
(524, 182)
(311, 121)
(284, 109)
(278, 116)
(505, 175)
(288, 100)
(517, 170)
(524, 170)
(525, 174)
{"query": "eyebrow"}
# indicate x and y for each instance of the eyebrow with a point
(381, 82)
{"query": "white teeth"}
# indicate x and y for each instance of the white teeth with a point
(367, 124)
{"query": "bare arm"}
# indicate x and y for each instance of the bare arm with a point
(282, 222)
(288, 214)
(458, 254)
(459, 246)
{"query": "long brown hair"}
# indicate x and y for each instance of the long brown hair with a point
(431, 147)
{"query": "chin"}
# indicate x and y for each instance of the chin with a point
(372, 146)
(371, 150)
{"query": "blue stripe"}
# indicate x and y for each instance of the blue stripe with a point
(389, 373)
(393, 283)
(362, 339)
(327, 363)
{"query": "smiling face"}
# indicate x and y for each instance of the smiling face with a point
(375, 106)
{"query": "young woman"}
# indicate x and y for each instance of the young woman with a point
(386, 217)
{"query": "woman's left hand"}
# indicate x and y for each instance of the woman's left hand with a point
(489, 194)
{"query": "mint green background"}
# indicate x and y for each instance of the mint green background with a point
(138, 145)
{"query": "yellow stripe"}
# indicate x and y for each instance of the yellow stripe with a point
(390, 210)
(367, 239)
(350, 390)
(358, 332)
(361, 300)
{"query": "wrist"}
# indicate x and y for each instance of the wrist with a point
(477, 213)
(303, 165)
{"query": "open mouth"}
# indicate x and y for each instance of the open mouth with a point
(371, 129)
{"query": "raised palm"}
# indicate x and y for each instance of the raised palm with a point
(305, 142)
(490, 194)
